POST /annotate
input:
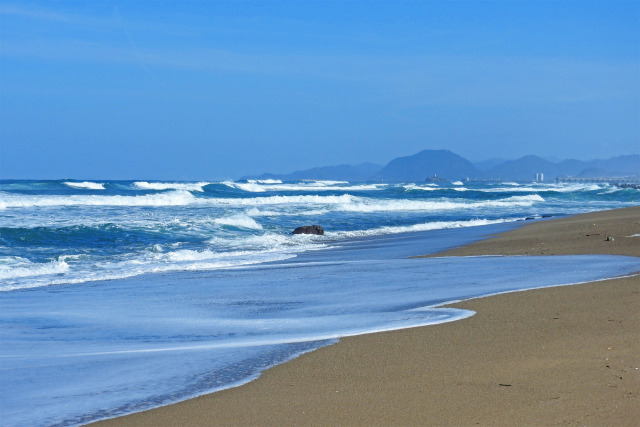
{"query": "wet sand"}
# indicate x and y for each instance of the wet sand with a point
(565, 355)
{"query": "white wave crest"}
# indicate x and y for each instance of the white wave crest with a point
(268, 242)
(370, 205)
(350, 203)
(250, 186)
(457, 183)
(414, 187)
(185, 186)
(436, 225)
(189, 255)
(261, 187)
(326, 181)
(345, 202)
(254, 212)
(240, 220)
(285, 200)
(265, 181)
(181, 260)
(85, 185)
(537, 187)
(174, 198)
(16, 267)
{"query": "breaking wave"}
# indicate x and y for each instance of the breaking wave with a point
(159, 186)
(265, 181)
(85, 185)
(240, 221)
(370, 205)
(436, 225)
(17, 267)
(345, 202)
(261, 187)
(174, 198)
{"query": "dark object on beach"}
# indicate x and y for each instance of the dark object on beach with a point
(529, 218)
(610, 239)
(546, 216)
(309, 229)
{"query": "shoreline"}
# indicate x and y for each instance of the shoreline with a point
(560, 355)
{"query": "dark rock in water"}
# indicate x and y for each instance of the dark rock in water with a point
(309, 229)
(529, 218)
(546, 216)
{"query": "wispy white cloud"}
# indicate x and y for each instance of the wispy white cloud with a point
(401, 81)
(25, 11)
(408, 81)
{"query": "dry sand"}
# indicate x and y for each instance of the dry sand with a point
(580, 234)
(566, 355)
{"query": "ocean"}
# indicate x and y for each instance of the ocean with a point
(119, 296)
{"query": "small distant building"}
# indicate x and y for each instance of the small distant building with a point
(539, 177)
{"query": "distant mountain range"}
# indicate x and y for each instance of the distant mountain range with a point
(352, 173)
(445, 165)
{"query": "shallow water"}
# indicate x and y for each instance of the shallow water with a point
(71, 354)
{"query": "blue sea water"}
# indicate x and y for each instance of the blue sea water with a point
(117, 296)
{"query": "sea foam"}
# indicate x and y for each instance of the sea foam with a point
(378, 205)
(17, 267)
(435, 225)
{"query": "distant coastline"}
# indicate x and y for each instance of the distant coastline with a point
(449, 166)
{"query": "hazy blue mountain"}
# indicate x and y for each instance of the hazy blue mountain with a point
(524, 169)
(527, 167)
(352, 173)
(449, 166)
(487, 164)
(619, 166)
(592, 173)
(427, 164)
(571, 167)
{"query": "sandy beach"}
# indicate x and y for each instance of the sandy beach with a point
(566, 355)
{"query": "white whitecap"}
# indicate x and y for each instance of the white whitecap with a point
(253, 186)
(240, 220)
(250, 186)
(173, 198)
(435, 225)
(537, 187)
(85, 185)
(17, 267)
(326, 181)
(159, 186)
(412, 187)
(390, 205)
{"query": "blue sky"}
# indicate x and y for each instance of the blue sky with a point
(212, 90)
